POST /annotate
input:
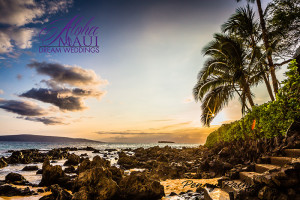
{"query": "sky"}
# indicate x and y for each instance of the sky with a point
(137, 88)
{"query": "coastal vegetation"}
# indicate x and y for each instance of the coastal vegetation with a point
(269, 119)
(248, 51)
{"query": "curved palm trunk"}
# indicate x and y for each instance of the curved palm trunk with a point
(267, 45)
(246, 89)
(264, 74)
(268, 87)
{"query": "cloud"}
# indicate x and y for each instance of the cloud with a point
(14, 15)
(29, 111)
(1, 92)
(19, 13)
(65, 74)
(71, 103)
(45, 120)
(25, 108)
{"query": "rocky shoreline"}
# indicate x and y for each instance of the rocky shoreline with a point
(252, 169)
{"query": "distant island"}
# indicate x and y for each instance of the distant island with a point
(41, 138)
(165, 142)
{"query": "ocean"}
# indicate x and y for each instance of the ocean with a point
(34, 178)
(5, 146)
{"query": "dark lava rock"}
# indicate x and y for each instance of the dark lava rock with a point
(40, 171)
(117, 174)
(127, 162)
(96, 151)
(2, 163)
(40, 190)
(14, 178)
(173, 194)
(51, 174)
(83, 154)
(72, 160)
(138, 186)
(95, 183)
(30, 168)
(57, 194)
(70, 169)
(267, 193)
(8, 190)
(97, 162)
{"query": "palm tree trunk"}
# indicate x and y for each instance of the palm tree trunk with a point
(267, 45)
(251, 102)
(268, 87)
(246, 88)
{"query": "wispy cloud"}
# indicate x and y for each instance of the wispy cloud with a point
(66, 74)
(45, 120)
(15, 15)
(25, 108)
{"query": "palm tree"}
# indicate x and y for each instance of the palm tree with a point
(266, 42)
(225, 73)
(243, 25)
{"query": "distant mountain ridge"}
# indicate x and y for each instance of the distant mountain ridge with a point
(41, 138)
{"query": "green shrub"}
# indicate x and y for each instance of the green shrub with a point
(271, 119)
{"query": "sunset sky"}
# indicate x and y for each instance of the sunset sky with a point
(138, 88)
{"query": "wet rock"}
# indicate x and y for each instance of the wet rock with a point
(3, 163)
(127, 162)
(70, 169)
(96, 162)
(267, 193)
(172, 194)
(8, 190)
(40, 190)
(58, 154)
(40, 171)
(163, 158)
(138, 186)
(72, 160)
(95, 182)
(14, 178)
(96, 151)
(83, 154)
(117, 174)
(51, 174)
(57, 194)
(30, 168)
(89, 149)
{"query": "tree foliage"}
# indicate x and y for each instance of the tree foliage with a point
(271, 119)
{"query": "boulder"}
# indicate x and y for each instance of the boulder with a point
(70, 169)
(95, 183)
(127, 162)
(51, 174)
(72, 160)
(8, 190)
(117, 174)
(30, 168)
(138, 186)
(97, 162)
(3, 163)
(57, 194)
(267, 193)
(15, 178)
